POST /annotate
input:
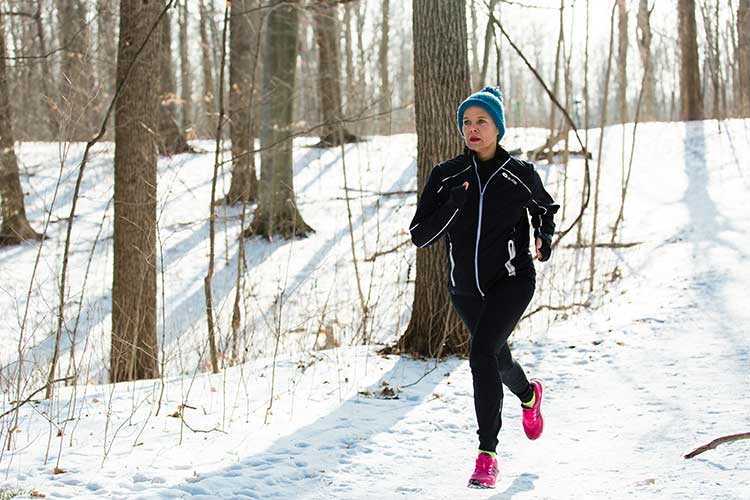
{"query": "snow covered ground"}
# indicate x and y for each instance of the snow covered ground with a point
(659, 367)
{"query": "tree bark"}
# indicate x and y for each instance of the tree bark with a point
(691, 98)
(329, 84)
(743, 46)
(361, 51)
(385, 83)
(244, 44)
(712, 57)
(489, 35)
(77, 85)
(644, 37)
(622, 61)
(554, 137)
(440, 48)
(106, 46)
(277, 211)
(209, 89)
(134, 341)
(602, 123)
(171, 140)
(51, 104)
(15, 226)
(474, 70)
(349, 56)
(186, 80)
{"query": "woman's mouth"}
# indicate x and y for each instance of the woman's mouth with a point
(474, 139)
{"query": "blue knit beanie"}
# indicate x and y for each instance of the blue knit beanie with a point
(491, 100)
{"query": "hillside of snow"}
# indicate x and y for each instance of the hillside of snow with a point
(655, 367)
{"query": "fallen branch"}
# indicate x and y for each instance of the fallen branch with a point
(539, 151)
(604, 245)
(557, 308)
(382, 193)
(199, 431)
(716, 442)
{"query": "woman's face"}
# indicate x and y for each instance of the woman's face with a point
(480, 132)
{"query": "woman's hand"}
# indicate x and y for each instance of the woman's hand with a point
(543, 246)
(458, 194)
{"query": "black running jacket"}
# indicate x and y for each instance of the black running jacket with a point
(487, 238)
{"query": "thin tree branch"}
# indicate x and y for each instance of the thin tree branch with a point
(587, 178)
(20, 14)
(62, 48)
(30, 396)
(556, 308)
(212, 218)
(374, 256)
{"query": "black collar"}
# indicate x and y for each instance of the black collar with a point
(501, 156)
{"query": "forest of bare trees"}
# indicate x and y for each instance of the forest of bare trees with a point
(155, 77)
(62, 58)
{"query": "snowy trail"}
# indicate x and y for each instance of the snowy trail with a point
(660, 369)
(631, 387)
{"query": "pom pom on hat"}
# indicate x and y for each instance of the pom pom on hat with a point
(491, 100)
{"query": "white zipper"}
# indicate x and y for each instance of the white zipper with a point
(453, 264)
(479, 222)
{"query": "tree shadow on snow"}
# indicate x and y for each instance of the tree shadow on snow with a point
(308, 463)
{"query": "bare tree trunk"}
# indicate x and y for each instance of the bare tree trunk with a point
(277, 208)
(602, 122)
(626, 177)
(489, 34)
(51, 104)
(691, 98)
(209, 89)
(329, 79)
(644, 37)
(28, 88)
(719, 82)
(622, 86)
(106, 46)
(556, 83)
(244, 45)
(170, 139)
(712, 57)
(361, 49)
(385, 84)
(440, 41)
(15, 226)
(622, 61)
(77, 85)
(134, 341)
(567, 57)
(586, 107)
(474, 72)
(212, 211)
(186, 80)
(349, 56)
(743, 45)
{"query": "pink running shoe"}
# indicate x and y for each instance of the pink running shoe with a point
(533, 423)
(485, 472)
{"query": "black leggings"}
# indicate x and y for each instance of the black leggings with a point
(491, 321)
